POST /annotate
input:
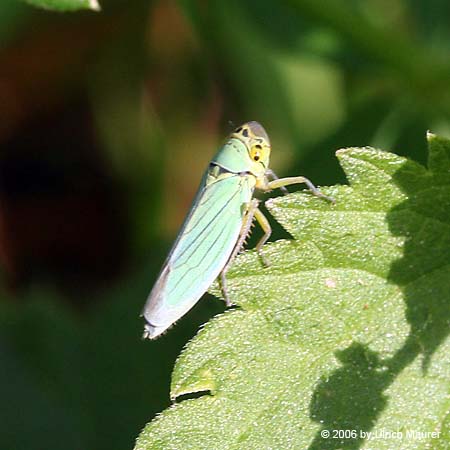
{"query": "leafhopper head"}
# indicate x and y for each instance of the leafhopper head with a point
(255, 138)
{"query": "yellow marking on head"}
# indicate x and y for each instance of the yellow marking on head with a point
(256, 152)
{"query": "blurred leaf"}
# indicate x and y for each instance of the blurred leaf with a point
(13, 15)
(347, 330)
(65, 5)
(40, 381)
(66, 375)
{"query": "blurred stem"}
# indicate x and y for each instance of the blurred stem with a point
(389, 129)
(415, 63)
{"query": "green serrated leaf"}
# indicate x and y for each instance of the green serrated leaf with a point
(346, 332)
(65, 5)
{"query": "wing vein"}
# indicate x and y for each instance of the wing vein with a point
(205, 228)
(208, 252)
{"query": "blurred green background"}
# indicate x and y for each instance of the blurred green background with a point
(107, 121)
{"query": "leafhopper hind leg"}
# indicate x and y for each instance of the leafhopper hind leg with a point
(252, 212)
(283, 182)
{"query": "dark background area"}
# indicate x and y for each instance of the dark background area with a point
(107, 121)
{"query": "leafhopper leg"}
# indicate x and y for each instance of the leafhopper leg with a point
(270, 173)
(246, 225)
(283, 182)
(265, 225)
